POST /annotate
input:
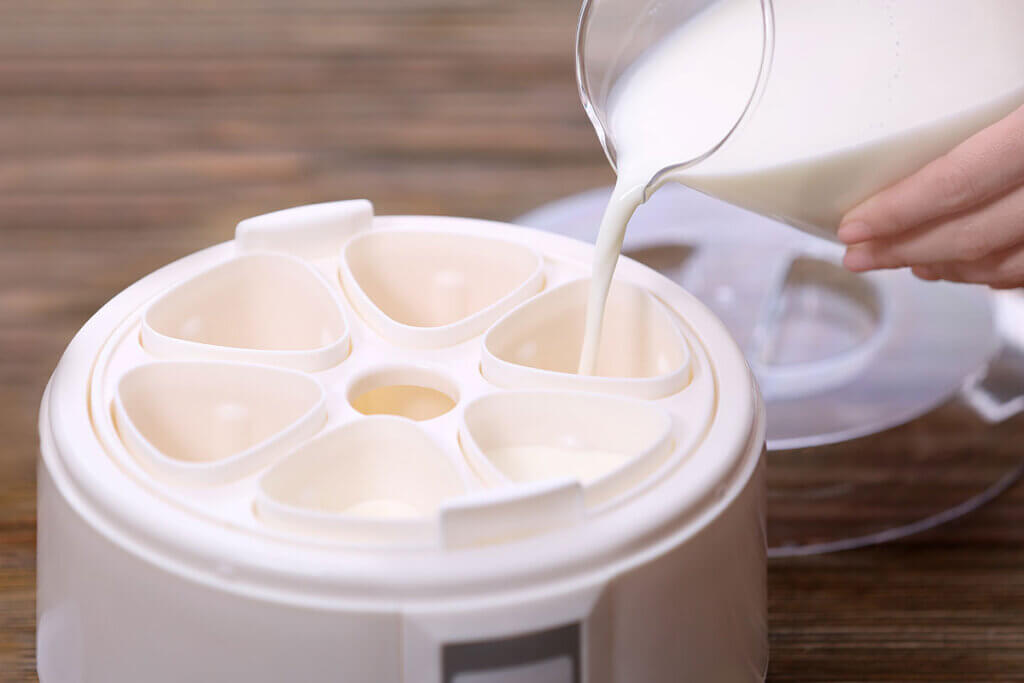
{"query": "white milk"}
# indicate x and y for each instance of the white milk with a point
(860, 94)
(541, 463)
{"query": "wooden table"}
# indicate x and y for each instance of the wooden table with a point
(136, 131)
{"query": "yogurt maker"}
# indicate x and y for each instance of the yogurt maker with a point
(353, 448)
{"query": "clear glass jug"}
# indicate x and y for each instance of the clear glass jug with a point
(795, 109)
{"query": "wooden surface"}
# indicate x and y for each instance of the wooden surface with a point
(136, 131)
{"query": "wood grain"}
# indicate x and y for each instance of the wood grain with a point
(136, 131)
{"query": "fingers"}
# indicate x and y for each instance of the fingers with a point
(985, 166)
(1002, 270)
(968, 236)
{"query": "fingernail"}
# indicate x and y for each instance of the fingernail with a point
(924, 272)
(858, 259)
(853, 232)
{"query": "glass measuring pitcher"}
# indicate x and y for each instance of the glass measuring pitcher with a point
(795, 109)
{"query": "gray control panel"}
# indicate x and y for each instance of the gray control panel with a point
(549, 656)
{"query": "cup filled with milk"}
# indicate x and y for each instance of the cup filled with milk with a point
(795, 109)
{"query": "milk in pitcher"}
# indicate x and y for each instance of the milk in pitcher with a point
(857, 95)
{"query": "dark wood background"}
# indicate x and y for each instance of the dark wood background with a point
(136, 131)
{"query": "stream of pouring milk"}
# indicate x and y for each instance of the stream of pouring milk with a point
(861, 93)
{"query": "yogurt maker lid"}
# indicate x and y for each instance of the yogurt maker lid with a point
(837, 355)
(337, 406)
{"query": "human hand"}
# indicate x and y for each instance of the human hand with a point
(960, 218)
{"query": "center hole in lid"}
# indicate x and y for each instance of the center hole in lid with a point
(822, 312)
(410, 392)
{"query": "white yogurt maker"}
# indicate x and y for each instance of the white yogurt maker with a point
(354, 448)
